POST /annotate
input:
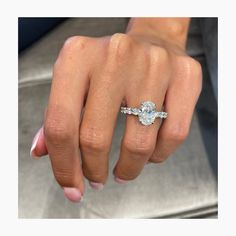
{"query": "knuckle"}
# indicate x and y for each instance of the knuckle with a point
(75, 43)
(194, 64)
(196, 72)
(178, 133)
(56, 133)
(190, 66)
(139, 145)
(159, 55)
(191, 74)
(119, 45)
(91, 139)
(57, 130)
(71, 49)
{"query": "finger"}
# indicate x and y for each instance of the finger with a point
(38, 148)
(98, 123)
(61, 126)
(180, 102)
(139, 141)
(97, 127)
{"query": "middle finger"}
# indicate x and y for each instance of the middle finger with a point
(102, 106)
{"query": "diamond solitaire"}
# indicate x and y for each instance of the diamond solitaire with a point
(147, 112)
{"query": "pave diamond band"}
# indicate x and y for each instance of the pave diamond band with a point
(136, 112)
(147, 112)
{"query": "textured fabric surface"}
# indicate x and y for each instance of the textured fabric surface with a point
(183, 186)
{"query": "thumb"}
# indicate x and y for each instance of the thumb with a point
(38, 147)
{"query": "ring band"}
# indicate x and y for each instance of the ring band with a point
(147, 112)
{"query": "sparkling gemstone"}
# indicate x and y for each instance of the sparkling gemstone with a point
(147, 113)
(135, 111)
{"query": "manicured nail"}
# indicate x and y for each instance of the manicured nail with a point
(120, 181)
(34, 143)
(73, 194)
(95, 185)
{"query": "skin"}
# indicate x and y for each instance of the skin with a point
(90, 75)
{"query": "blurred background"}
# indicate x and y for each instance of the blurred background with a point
(184, 186)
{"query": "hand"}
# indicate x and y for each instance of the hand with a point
(92, 78)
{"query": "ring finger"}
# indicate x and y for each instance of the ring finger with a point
(139, 141)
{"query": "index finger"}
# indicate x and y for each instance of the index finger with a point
(61, 126)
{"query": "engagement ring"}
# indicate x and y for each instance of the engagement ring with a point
(147, 112)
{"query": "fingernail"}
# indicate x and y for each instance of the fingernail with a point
(120, 181)
(95, 185)
(34, 143)
(73, 194)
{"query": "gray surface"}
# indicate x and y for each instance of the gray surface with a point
(183, 186)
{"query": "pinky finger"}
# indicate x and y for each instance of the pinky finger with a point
(180, 101)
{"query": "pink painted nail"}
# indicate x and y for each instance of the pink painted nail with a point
(120, 181)
(95, 185)
(73, 194)
(34, 143)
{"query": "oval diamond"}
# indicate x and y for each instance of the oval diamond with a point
(148, 113)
